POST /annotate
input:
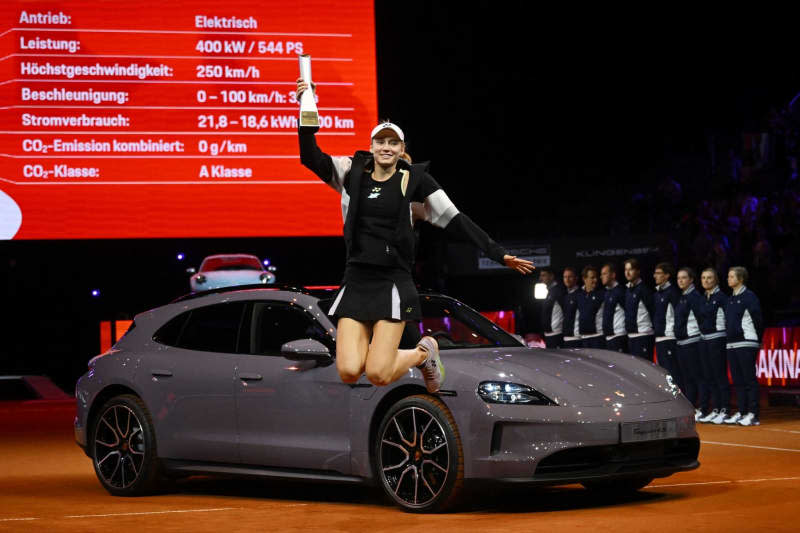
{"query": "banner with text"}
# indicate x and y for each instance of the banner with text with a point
(176, 119)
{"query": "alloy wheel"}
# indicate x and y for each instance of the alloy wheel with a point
(119, 447)
(414, 456)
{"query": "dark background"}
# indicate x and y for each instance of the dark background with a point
(541, 125)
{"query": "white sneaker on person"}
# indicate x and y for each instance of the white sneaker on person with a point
(697, 414)
(720, 418)
(709, 417)
(749, 419)
(734, 418)
(432, 367)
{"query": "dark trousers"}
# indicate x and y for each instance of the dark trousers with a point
(668, 360)
(617, 344)
(713, 357)
(692, 370)
(642, 346)
(571, 343)
(594, 342)
(553, 341)
(743, 371)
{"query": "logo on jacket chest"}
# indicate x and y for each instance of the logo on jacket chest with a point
(376, 191)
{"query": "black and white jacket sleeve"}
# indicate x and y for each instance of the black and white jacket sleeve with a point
(433, 205)
(330, 169)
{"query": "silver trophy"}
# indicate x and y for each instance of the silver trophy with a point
(309, 116)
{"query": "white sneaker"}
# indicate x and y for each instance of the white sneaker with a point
(749, 420)
(709, 417)
(720, 418)
(734, 418)
(432, 367)
(697, 414)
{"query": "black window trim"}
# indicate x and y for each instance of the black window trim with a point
(331, 344)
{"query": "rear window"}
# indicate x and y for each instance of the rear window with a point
(215, 328)
(231, 263)
(170, 332)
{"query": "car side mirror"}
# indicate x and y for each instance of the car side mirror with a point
(307, 350)
(191, 270)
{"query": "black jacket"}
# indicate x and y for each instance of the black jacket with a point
(555, 294)
(745, 325)
(639, 309)
(665, 303)
(590, 320)
(569, 304)
(344, 175)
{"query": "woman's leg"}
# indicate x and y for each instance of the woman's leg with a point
(748, 358)
(687, 360)
(738, 379)
(385, 363)
(721, 373)
(352, 344)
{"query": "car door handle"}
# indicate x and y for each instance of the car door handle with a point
(250, 377)
(160, 372)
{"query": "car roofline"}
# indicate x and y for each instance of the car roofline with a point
(311, 290)
(233, 288)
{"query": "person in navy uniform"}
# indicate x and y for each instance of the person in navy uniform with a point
(638, 312)
(687, 333)
(552, 313)
(712, 348)
(613, 310)
(665, 301)
(744, 328)
(569, 303)
(589, 317)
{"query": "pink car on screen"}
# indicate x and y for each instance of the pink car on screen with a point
(227, 270)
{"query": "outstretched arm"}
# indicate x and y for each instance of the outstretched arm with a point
(462, 227)
(440, 211)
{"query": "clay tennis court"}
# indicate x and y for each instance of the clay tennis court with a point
(748, 480)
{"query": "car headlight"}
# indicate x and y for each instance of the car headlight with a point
(672, 388)
(511, 393)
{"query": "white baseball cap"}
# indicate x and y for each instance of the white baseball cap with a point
(388, 126)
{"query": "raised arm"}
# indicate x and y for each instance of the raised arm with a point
(329, 169)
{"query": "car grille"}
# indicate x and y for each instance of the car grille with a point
(620, 458)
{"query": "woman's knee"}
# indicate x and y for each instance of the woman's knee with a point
(348, 377)
(349, 371)
(379, 378)
(379, 371)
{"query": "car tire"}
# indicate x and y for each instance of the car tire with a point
(123, 447)
(617, 486)
(419, 461)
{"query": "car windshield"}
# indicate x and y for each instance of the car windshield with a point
(454, 325)
(231, 263)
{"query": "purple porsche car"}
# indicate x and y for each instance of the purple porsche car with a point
(242, 381)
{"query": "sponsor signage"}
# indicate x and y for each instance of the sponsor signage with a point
(778, 363)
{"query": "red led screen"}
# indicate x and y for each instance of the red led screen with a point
(175, 119)
(778, 364)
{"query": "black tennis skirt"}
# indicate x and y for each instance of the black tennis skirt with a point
(373, 292)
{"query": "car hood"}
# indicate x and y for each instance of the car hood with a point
(580, 377)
